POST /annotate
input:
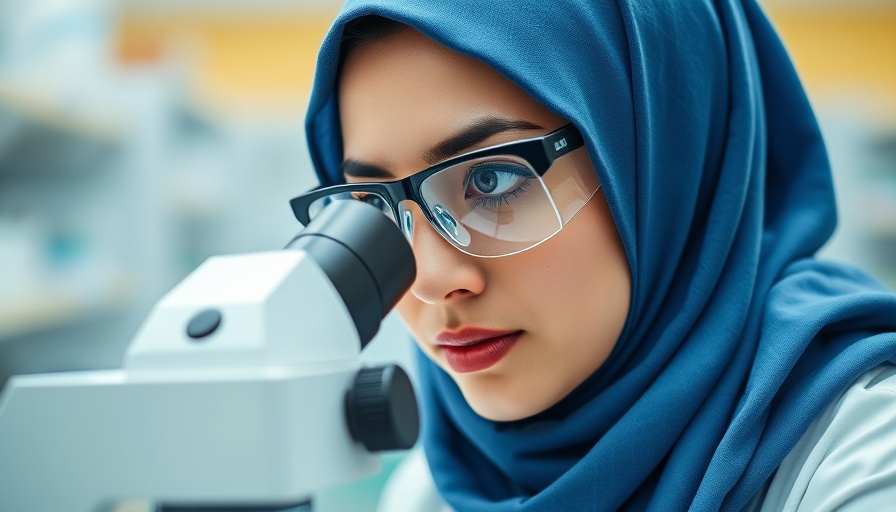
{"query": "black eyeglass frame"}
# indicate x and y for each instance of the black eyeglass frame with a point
(539, 152)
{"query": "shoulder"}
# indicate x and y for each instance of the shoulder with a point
(846, 461)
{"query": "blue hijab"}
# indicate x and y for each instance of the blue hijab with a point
(717, 178)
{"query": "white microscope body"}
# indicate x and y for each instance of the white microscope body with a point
(232, 393)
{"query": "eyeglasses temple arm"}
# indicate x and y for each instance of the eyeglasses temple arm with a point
(561, 142)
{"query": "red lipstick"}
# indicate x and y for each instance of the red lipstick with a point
(474, 349)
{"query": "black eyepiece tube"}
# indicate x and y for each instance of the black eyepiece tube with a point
(365, 256)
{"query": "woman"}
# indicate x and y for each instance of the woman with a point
(613, 206)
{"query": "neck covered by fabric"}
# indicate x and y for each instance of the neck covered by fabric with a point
(718, 181)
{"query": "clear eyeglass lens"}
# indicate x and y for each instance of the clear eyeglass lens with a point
(370, 198)
(491, 206)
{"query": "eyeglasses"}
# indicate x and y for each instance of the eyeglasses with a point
(490, 202)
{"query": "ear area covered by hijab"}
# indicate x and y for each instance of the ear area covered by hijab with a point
(718, 181)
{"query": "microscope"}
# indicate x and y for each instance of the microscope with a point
(242, 391)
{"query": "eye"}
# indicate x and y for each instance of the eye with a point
(371, 199)
(494, 179)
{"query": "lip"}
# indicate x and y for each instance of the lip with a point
(475, 349)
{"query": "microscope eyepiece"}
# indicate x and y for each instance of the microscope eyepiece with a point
(365, 256)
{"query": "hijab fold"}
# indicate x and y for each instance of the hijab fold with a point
(718, 181)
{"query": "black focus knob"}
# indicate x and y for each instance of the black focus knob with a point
(381, 409)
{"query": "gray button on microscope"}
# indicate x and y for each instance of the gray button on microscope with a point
(204, 323)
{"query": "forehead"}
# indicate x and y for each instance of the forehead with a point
(400, 95)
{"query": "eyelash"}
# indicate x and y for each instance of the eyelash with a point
(495, 201)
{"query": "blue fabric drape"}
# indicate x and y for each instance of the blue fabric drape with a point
(717, 178)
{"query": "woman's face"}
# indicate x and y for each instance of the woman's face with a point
(555, 311)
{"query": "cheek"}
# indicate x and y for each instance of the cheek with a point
(581, 275)
(411, 310)
(577, 287)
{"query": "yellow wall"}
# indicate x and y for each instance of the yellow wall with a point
(256, 58)
(246, 59)
(850, 49)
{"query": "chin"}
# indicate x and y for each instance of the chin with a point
(496, 407)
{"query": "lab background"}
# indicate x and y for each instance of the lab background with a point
(140, 137)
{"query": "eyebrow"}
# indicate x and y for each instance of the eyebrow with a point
(358, 169)
(473, 134)
(477, 132)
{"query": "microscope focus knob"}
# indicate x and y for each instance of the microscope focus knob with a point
(381, 409)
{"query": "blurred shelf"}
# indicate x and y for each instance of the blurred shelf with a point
(47, 309)
(39, 133)
(241, 7)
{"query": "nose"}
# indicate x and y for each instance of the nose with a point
(444, 274)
